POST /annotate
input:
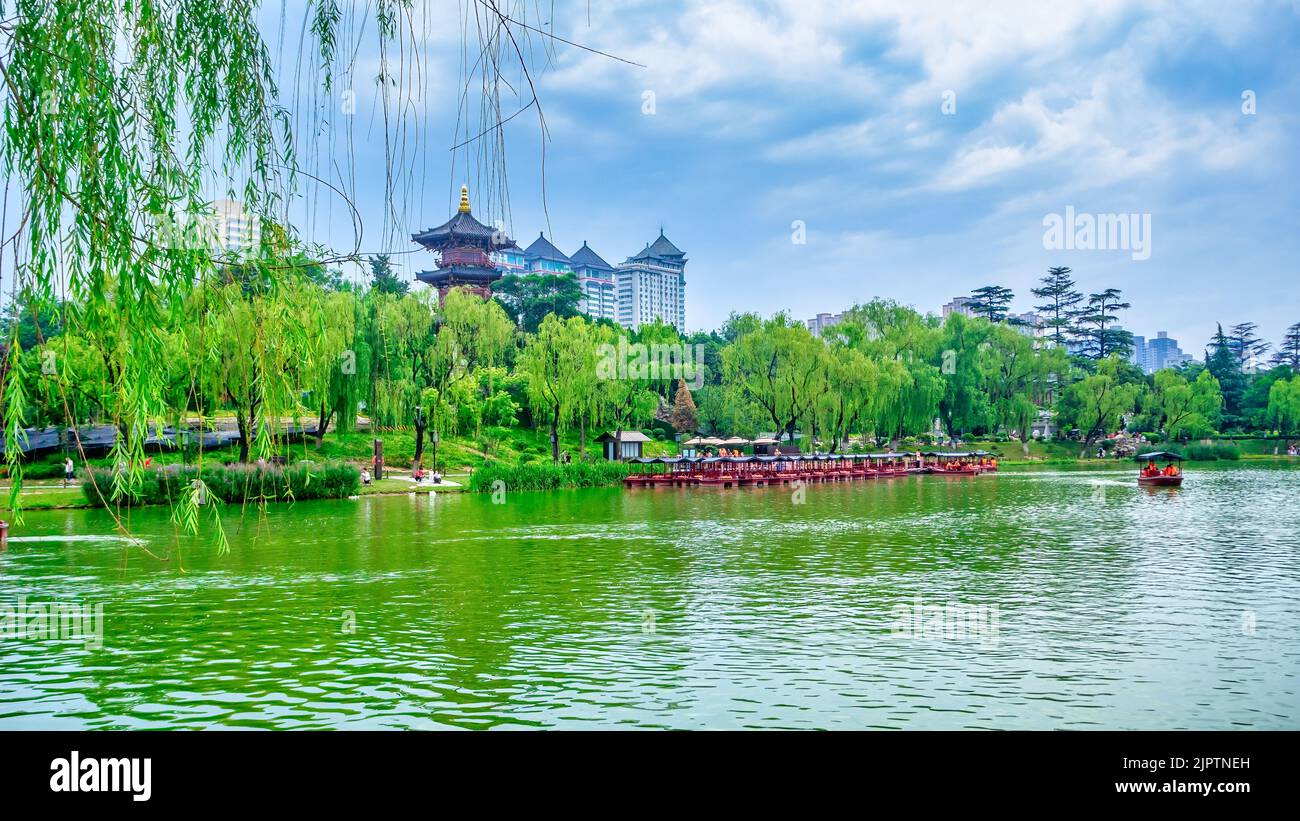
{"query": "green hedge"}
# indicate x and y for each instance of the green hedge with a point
(233, 483)
(547, 475)
(1210, 453)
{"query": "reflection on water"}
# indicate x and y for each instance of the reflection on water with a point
(1116, 606)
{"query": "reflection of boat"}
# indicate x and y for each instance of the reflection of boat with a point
(1170, 476)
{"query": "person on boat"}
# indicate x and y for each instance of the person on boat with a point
(1150, 469)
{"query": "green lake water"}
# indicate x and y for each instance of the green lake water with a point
(1103, 605)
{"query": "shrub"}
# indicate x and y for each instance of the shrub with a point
(232, 483)
(547, 475)
(48, 468)
(1210, 453)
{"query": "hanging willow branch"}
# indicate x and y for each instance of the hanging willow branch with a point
(121, 117)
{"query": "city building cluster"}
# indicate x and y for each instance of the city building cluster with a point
(648, 285)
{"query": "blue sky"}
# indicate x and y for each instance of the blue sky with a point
(831, 113)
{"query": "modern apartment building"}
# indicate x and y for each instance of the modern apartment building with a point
(652, 285)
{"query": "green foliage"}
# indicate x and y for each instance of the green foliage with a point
(383, 279)
(530, 298)
(1284, 405)
(1097, 403)
(547, 475)
(1211, 452)
(780, 367)
(169, 485)
(1184, 409)
(1223, 364)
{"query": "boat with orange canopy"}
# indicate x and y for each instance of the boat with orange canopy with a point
(1151, 474)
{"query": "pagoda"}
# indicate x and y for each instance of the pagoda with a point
(464, 247)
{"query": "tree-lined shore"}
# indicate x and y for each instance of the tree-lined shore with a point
(468, 374)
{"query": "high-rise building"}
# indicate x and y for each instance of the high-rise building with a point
(649, 285)
(595, 276)
(1028, 323)
(596, 279)
(1163, 352)
(652, 285)
(237, 231)
(818, 324)
(1140, 355)
(511, 260)
(544, 258)
(959, 304)
(1157, 353)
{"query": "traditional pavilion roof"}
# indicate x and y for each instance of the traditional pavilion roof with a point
(661, 248)
(584, 257)
(543, 249)
(628, 436)
(462, 229)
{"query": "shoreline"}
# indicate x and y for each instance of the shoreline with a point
(409, 488)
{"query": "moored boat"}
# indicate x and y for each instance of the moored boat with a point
(785, 469)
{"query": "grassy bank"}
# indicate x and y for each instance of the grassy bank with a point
(546, 476)
(229, 483)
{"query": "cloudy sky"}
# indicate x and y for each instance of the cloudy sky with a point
(919, 145)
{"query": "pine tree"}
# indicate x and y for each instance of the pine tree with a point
(1222, 362)
(382, 278)
(1288, 353)
(1061, 303)
(1246, 345)
(1100, 340)
(683, 416)
(991, 302)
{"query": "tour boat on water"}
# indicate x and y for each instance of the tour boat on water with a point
(961, 463)
(1152, 475)
(784, 469)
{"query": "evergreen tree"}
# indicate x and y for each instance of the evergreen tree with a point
(383, 279)
(530, 298)
(1222, 362)
(1246, 345)
(1099, 339)
(991, 302)
(1060, 303)
(1288, 353)
(683, 416)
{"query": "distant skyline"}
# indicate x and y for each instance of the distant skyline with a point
(832, 116)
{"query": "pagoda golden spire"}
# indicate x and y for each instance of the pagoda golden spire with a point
(464, 199)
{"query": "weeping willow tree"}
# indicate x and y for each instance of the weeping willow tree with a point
(123, 119)
(114, 115)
